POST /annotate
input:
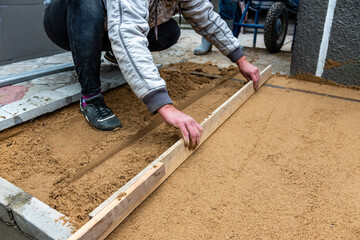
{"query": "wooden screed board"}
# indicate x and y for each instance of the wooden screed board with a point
(142, 185)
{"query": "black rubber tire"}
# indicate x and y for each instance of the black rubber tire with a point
(274, 36)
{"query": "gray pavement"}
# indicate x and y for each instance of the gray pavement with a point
(11, 232)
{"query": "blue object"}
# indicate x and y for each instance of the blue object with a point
(227, 9)
(256, 6)
(256, 25)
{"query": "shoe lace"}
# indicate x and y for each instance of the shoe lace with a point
(101, 108)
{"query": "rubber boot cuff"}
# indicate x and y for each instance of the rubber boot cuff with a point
(204, 48)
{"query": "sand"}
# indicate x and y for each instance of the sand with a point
(61, 160)
(286, 165)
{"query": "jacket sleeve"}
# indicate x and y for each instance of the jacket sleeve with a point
(200, 15)
(128, 28)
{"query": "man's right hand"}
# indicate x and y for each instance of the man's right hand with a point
(249, 71)
(190, 129)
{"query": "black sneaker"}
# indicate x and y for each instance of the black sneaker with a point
(98, 114)
(109, 55)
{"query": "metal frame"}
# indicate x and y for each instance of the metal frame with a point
(26, 76)
(257, 10)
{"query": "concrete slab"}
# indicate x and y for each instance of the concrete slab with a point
(72, 91)
(36, 105)
(36, 63)
(11, 94)
(7, 193)
(49, 83)
(6, 119)
(39, 220)
(49, 93)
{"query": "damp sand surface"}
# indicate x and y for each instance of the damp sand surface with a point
(72, 167)
(285, 165)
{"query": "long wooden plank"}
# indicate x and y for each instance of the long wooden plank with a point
(102, 224)
(119, 207)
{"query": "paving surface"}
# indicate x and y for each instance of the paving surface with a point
(11, 232)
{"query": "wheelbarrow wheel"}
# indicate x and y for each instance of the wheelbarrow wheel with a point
(276, 24)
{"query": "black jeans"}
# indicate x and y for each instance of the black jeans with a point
(78, 26)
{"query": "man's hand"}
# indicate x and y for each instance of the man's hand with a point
(190, 129)
(249, 71)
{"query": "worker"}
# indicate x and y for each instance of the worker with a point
(132, 29)
(227, 10)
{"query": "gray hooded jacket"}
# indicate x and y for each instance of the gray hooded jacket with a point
(129, 22)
